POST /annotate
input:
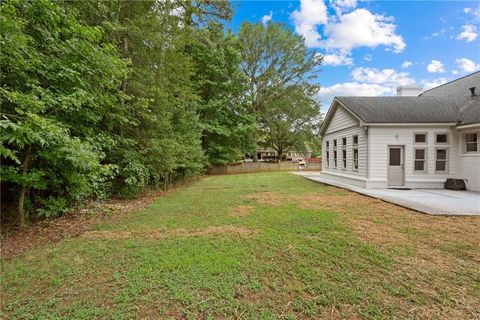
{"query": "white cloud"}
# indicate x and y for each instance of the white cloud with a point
(468, 34)
(384, 76)
(266, 18)
(326, 94)
(436, 67)
(306, 20)
(429, 84)
(436, 34)
(455, 72)
(474, 11)
(355, 89)
(368, 57)
(337, 60)
(341, 6)
(467, 65)
(362, 28)
(406, 64)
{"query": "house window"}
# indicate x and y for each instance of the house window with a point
(420, 160)
(441, 160)
(335, 158)
(344, 142)
(344, 158)
(335, 143)
(328, 158)
(355, 159)
(420, 138)
(441, 138)
(471, 142)
(355, 140)
(328, 144)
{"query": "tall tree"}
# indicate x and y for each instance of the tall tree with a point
(273, 59)
(290, 123)
(219, 82)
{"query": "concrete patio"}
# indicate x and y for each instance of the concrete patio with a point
(430, 201)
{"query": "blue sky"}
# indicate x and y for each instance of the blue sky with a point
(371, 47)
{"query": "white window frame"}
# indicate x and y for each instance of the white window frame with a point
(344, 159)
(423, 133)
(447, 159)
(328, 158)
(425, 160)
(464, 142)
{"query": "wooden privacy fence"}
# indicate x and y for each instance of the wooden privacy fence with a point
(250, 167)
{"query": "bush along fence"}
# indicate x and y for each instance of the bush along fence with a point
(251, 167)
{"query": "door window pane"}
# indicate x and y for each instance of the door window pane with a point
(394, 156)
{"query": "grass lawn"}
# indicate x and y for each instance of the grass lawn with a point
(254, 246)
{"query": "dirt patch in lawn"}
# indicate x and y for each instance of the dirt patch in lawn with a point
(270, 199)
(163, 234)
(242, 211)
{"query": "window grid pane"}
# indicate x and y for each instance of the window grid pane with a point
(441, 138)
(420, 138)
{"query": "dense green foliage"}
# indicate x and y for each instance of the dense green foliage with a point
(103, 98)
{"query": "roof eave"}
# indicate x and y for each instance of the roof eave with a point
(411, 123)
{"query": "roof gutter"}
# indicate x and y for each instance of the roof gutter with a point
(466, 126)
(409, 124)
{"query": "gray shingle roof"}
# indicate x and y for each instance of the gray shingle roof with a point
(403, 109)
(450, 102)
(459, 91)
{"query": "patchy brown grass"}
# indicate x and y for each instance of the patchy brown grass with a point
(271, 199)
(242, 211)
(429, 250)
(155, 234)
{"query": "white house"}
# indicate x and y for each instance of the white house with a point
(413, 140)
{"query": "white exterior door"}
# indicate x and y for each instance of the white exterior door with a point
(395, 166)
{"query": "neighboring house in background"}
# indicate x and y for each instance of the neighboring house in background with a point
(412, 140)
(271, 154)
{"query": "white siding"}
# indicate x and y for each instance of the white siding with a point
(381, 137)
(342, 119)
(344, 125)
(468, 163)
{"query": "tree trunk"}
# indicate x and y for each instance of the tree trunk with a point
(23, 190)
(255, 155)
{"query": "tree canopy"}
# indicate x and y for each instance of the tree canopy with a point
(109, 98)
